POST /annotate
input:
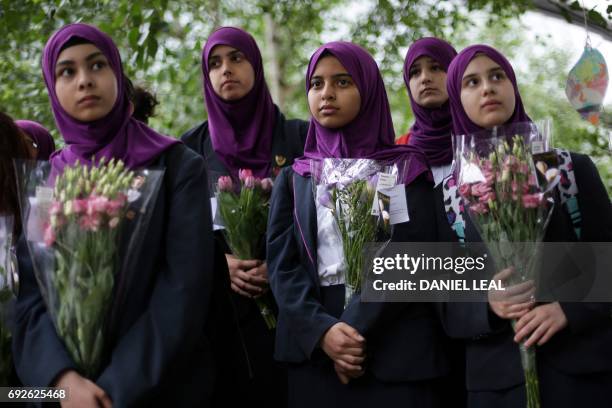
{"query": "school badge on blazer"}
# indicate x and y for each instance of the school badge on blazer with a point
(280, 160)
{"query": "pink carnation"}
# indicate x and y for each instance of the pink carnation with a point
(532, 200)
(464, 190)
(96, 204)
(79, 206)
(480, 189)
(479, 208)
(90, 222)
(488, 196)
(114, 206)
(49, 236)
(56, 208)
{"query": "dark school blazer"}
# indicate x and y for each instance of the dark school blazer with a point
(405, 340)
(158, 351)
(492, 357)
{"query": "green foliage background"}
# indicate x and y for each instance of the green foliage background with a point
(161, 43)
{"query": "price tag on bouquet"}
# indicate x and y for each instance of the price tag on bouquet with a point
(385, 182)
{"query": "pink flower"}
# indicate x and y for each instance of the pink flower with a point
(56, 208)
(79, 206)
(480, 189)
(532, 200)
(96, 204)
(489, 177)
(244, 173)
(249, 182)
(113, 222)
(49, 236)
(486, 197)
(114, 206)
(523, 168)
(464, 190)
(532, 181)
(267, 184)
(90, 222)
(479, 208)
(225, 183)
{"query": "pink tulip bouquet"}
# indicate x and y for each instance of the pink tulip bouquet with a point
(243, 209)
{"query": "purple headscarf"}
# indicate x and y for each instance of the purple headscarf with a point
(241, 131)
(117, 135)
(462, 125)
(431, 131)
(370, 135)
(40, 135)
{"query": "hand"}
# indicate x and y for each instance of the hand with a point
(260, 271)
(242, 282)
(346, 347)
(542, 322)
(514, 301)
(82, 392)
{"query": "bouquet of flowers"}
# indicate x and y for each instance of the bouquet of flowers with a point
(6, 295)
(508, 206)
(243, 210)
(349, 188)
(75, 237)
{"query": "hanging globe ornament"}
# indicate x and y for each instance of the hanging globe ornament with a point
(587, 82)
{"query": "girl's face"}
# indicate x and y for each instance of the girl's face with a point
(427, 83)
(333, 97)
(487, 95)
(85, 84)
(231, 74)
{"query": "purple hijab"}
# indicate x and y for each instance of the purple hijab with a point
(241, 131)
(370, 135)
(40, 135)
(462, 125)
(431, 131)
(117, 135)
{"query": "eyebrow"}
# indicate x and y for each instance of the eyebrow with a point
(335, 76)
(231, 53)
(470, 76)
(88, 58)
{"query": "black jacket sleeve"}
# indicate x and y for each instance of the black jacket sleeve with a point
(294, 288)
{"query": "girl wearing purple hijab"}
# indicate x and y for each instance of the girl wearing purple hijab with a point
(347, 356)
(574, 360)
(41, 143)
(156, 336)
(244, 130)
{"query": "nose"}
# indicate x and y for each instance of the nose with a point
(328, 93)
(85, 79)
(425, 76)
(488, 87)
(225, 67)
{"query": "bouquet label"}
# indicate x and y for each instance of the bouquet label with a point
(385, 182)
(398, 206)
(537, 147)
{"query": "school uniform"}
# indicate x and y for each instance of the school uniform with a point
(406, 358)
(157, 350)
(243, 345)
(575, 366)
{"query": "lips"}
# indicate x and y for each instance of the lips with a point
(492, 104)
(89, 99)
(328, 110)
(228, 82)
(428, 90)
